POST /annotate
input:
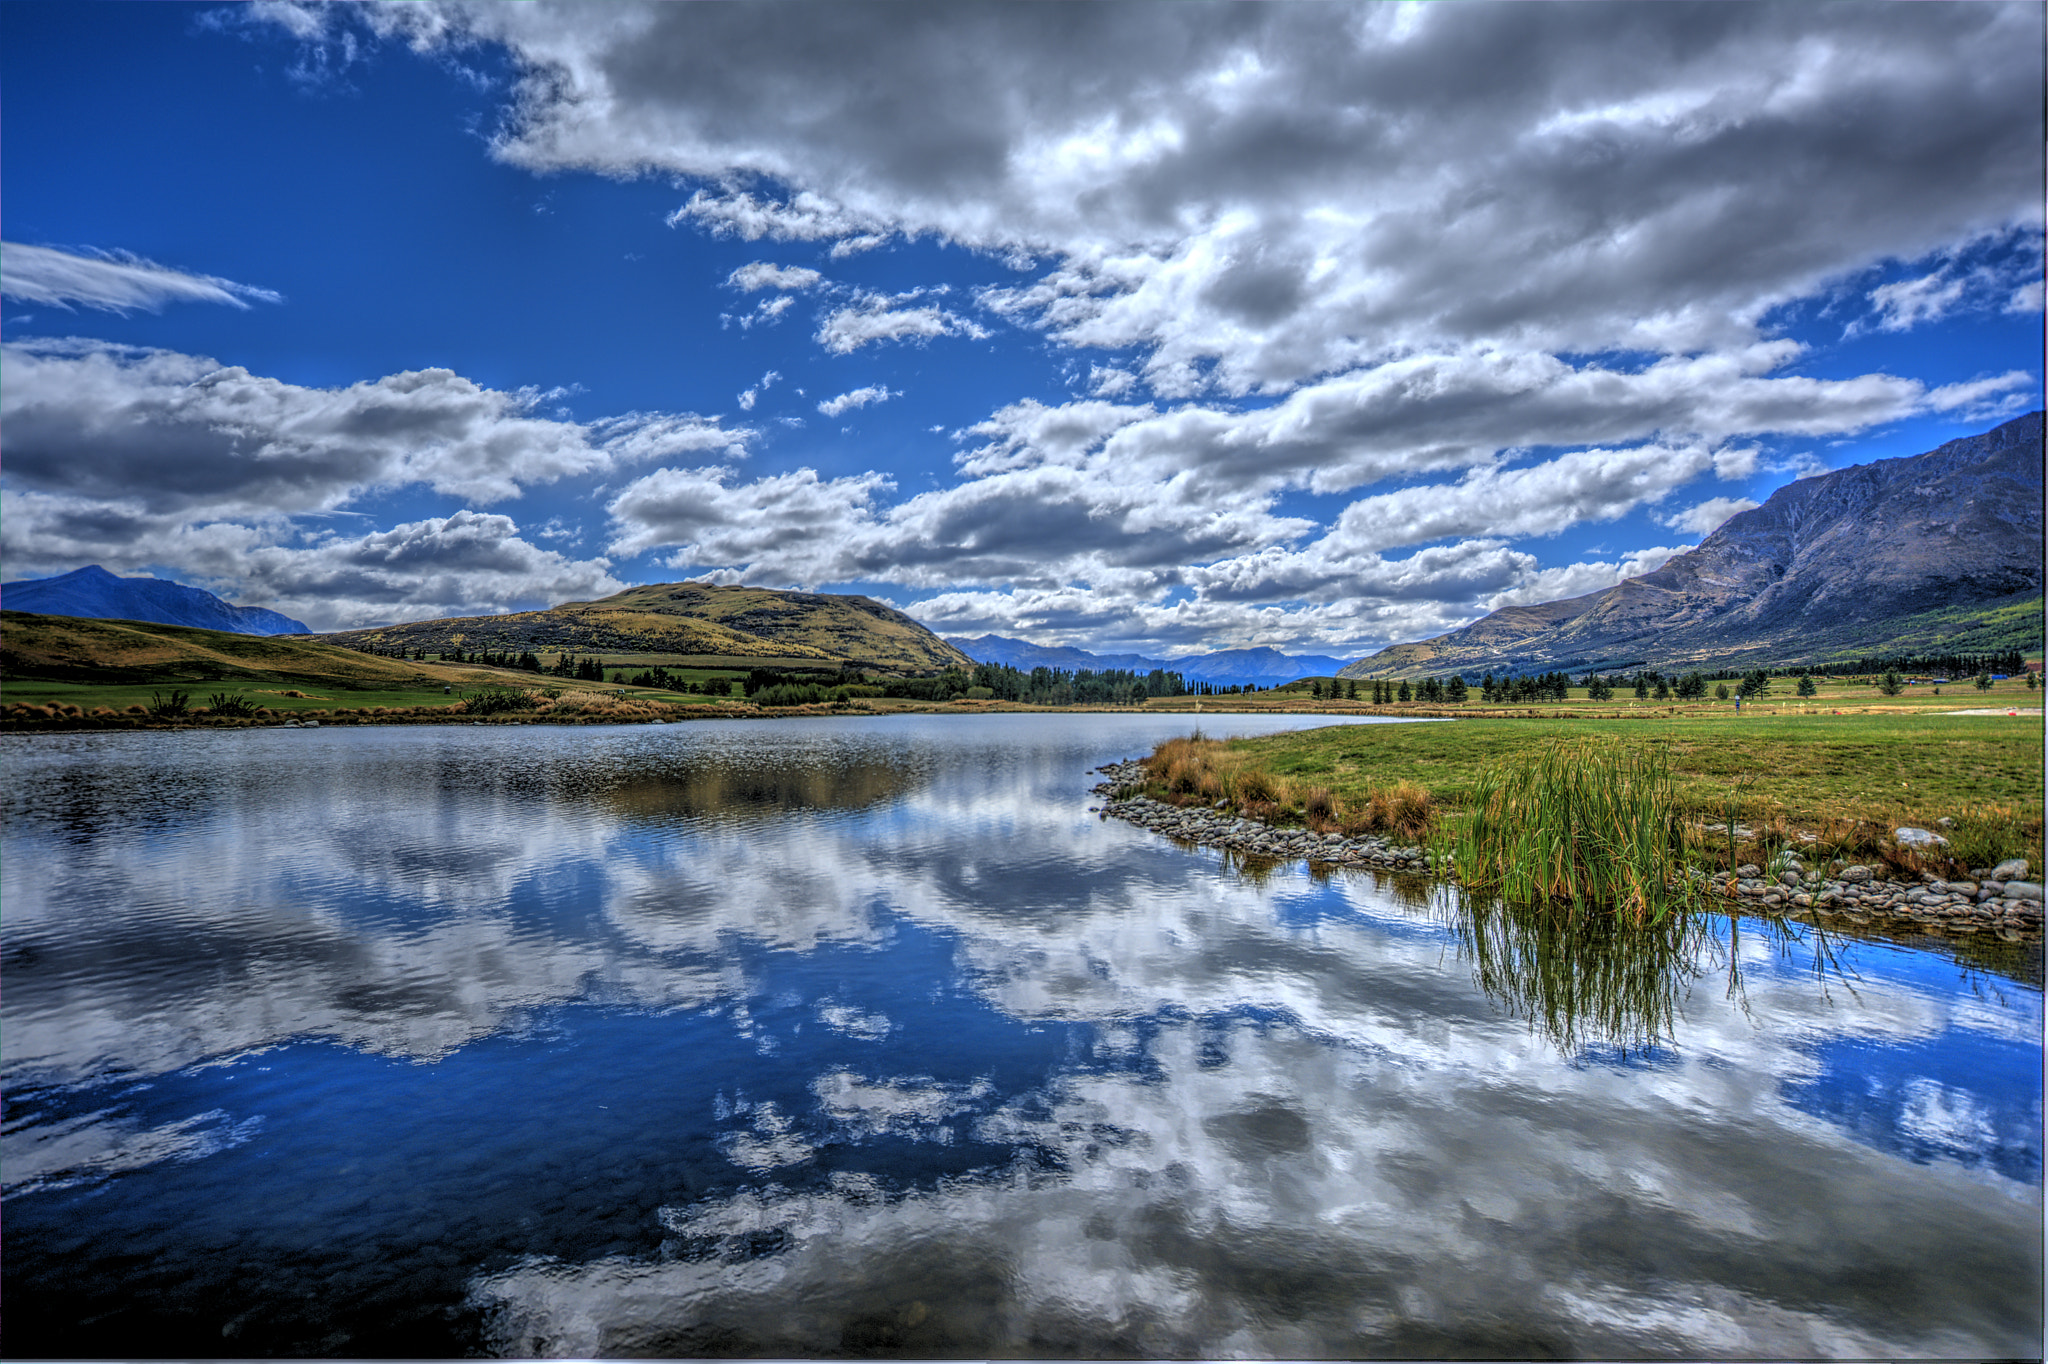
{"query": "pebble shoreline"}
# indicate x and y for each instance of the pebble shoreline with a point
(2010, 910)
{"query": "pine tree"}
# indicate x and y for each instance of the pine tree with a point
(1806, 687)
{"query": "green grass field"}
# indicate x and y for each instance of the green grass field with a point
(1804, 768)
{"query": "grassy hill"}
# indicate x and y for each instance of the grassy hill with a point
(698, 620)
(143, 653)
(70, 672)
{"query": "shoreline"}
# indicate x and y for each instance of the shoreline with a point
(2010, 911)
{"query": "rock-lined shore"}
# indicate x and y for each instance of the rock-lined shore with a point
(2004, 903)
(1215, 828)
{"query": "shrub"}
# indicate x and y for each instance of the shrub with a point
(792, 694)
(1588, 824)
(498, 701)
(229, 705)
(1319, 808)
(170, 707)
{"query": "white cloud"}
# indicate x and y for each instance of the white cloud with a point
(787, 527)
(1257, 197)
(113, 281)
(140, 458)
(761, 274)
(805, 217)
(173, 431)
(1473, 272)
(751, 395)
(859, 397)
(875, 317)
(1543, 499)
(1962, 282)
(470, 563)
(1577, 580)
(467, 563)
(1907, 303)
(1110, 382)
(768, 311)
(1704, 517)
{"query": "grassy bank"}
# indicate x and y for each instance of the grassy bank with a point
(1848, 778)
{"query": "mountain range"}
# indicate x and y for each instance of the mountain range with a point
(1226, 667)
(95, 594)
(1935, 551)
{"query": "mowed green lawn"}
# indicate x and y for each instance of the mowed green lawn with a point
(1890, 767)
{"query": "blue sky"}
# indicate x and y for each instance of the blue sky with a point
(1132, 326)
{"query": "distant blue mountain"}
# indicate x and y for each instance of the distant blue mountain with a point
(1227, 667)
(96, 594)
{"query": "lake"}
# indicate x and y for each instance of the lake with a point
(865, 1037)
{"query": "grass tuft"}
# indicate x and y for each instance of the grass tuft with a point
(1591, 824)
(1985, 835)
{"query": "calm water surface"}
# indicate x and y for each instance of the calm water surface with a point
(865, 1037)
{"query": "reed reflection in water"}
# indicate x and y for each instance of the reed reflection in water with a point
(1582, 980)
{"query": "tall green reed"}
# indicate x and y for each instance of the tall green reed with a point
(1588, 824)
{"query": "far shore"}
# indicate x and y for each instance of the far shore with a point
(629, 706)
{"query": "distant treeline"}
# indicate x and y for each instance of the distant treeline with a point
(988, 682)
(2009, 662)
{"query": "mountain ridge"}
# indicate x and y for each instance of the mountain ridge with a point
(1837, 564)
(92, 593)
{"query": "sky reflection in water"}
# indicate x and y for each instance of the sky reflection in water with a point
(865, 1037)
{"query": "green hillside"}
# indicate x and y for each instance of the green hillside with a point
(697, 620)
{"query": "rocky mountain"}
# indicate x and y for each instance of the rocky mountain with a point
(1894, 556)
(95, 594)
(1226, 667)
(699, 620)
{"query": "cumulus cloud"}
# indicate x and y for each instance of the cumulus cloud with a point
(1703, 517)
(762, 275)
(1476, 273)
(876, 317)
(1259, 195)
(859, 397)
(788, 525)
(1577, 580)
(113, 281)
(470, 563)
(174, 432)
(1108, 381)
(1542, 499)
(138, 458)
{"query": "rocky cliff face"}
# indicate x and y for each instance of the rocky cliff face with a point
(1830, 563)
